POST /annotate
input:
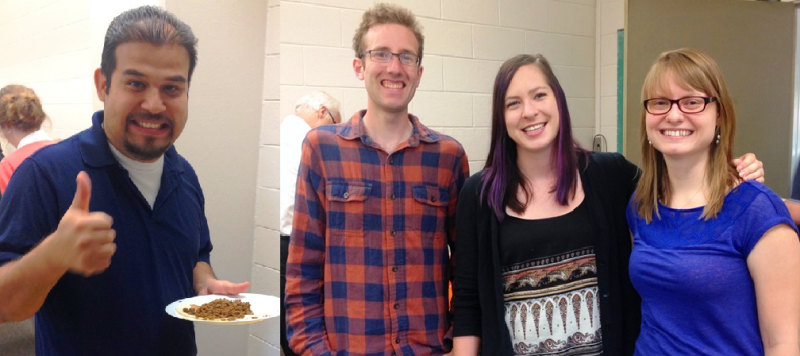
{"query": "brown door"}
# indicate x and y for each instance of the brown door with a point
(754, 44)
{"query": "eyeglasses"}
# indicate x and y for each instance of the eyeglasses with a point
(377, 55)
(688, 105)
(331, 115)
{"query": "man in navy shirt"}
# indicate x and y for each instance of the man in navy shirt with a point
(98, 257)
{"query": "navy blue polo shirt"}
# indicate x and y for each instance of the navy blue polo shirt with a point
(119, 311)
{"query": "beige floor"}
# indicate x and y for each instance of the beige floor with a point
(16, 339)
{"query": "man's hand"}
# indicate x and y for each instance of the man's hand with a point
(216, 286)
(749, 167)
(84, 241)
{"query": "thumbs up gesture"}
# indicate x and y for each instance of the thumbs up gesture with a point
(84, 240)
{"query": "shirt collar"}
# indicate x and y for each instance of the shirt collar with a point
(298, 121)
(354, 129)
(32, 137)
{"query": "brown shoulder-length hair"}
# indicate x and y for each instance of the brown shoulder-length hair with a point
(690, 69)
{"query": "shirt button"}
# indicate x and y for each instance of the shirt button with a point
(397, 340)
(394, 268)
(392, 232)
(346, 195)
(605, 295)
(391, 160)
(392, 196)
(397, 306)
(394, 354)
(433, 199)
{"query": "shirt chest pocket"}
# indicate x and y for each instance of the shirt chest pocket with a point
(349, 211)
(430, 207)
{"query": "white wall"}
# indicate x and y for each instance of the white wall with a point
(45, 46)
(611, 17)
(465, 43)
(221, 141)
(264, 337)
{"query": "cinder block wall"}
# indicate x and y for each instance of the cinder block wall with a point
(46, 46)
(264, 336)
(465, 43)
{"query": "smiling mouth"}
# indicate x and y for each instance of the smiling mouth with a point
(148, 125)
(533, 128)
(676, 133)
(393, 85)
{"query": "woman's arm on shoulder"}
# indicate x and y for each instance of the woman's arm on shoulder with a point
(749, 167)
(773, 263)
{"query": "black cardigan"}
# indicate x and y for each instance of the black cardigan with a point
(608, 182)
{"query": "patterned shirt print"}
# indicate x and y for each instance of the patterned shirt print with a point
(551, 298)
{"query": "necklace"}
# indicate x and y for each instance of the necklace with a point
(688, 202)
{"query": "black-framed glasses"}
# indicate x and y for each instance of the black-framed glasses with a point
(688, 105)
(383, 56)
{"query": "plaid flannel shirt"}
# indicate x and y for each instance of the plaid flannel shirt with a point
(369, 265)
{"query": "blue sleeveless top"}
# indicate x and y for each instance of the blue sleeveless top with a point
(697, 293)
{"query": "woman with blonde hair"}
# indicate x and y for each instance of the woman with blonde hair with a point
(21, 118)
(542, 241)
(714, 258)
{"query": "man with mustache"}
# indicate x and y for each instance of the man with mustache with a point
(98, 257)
(368, 265)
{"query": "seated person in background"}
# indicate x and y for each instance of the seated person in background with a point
(21, 118)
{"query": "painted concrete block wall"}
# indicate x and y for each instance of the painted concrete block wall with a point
(611, 17)
(45, 46)
(264, 336)
(466, 41)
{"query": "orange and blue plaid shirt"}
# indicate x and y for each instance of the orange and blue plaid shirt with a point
(369, 264)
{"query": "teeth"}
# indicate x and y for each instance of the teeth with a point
(677, 133)
(393, 86)
(533, 128)
(149, 125)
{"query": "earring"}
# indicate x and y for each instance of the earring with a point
(718, 136)
(717, 139)
(649, 143)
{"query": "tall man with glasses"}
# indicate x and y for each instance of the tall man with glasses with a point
(311, 110)
(369, 265)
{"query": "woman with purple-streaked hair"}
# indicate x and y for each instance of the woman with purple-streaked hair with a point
(542, 240)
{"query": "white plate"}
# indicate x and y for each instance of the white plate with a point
(263, 307)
